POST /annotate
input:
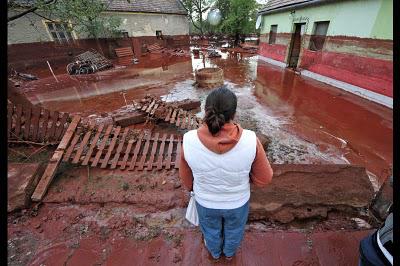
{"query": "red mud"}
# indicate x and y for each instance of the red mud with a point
(326, 116)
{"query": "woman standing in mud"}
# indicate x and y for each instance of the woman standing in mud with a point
(218, 162)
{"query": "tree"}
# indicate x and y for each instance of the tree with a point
(83, 16)
(239, 17)
(196, 9)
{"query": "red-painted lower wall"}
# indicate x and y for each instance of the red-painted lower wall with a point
(273, 51)
(369, 73)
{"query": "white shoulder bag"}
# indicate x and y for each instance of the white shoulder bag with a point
(191, 212)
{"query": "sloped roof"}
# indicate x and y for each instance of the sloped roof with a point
(146, 6)
(150, 6)
(277, 5)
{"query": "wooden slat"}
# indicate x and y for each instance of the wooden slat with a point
(144, 107)
(169, 155)
(153, 152)
(43, 129)
(154, 109)
(71, 147)
(27, 126)
(151, 106)
(144, 153)
(51, 168)
(169, 115)
(189, 122)
(35, 122)
(93, 145)
(10, 108)
(111, 147)
(178, 153)
(136, 151)
(127, 151)
(194, 124)
(102, 145)
(18, 120)
(172, 120)
(178, 119)
(60, 128)
(83, 145)
(161, 152)
(119, 149)
(54, 118)
(183, 123)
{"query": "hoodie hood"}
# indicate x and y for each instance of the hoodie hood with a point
(224, 140)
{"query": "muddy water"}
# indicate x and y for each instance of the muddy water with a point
(308, 121)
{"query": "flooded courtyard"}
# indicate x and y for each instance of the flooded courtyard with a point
(306, 120)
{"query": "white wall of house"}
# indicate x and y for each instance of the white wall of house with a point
(146, 24)
(31, 27)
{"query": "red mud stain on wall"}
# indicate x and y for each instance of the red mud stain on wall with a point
(321, 114)
(373, 74)
(273, 51)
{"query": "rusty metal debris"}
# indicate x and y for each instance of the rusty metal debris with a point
(88, 62)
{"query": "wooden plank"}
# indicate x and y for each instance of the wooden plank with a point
(35, 122)
(169, 155)
(154, 109)
(102, 145)
(161, 152)
(18, 120)
(54, 118)
(71, 147)
(144, 153)
(43, 129)
(169, 115)
(172, 121)
(60, 128)
(178, 119)
(27, 126)
(144, 107)
(178, 153)
(10, 109)
(151, 106)
(111, 147)
(126, 156)
(93, 145)
(153, 152)
(194, 125)
(83, 145)
(51, 168)
(184, 116)
(136, 151)
(119, 149)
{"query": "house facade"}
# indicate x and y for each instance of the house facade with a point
(139, 18)
(348, 44)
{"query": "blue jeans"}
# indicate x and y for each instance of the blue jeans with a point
(223, 230)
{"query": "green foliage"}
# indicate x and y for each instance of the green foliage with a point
(83, 16)
(196, 9)
(239, 16)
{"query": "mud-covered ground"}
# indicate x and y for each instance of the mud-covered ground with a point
(103, 217)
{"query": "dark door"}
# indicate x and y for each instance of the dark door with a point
(295, 45)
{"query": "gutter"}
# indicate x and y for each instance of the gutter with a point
(295, 6)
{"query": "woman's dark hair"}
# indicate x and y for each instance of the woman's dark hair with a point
(220, 108)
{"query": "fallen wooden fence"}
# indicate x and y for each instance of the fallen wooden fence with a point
(36, 124)
(113, 147)
(181, 118)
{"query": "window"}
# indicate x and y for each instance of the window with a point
(159, 34)
(59, 32)
(318, 38)
(125, 34)
(272, 34)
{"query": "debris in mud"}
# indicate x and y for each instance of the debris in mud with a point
(23, 76)
(88, 62)
(383, 200)
(213, 54)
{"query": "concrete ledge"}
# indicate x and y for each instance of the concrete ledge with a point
(372, 96)
(311, 191)
(272, 61)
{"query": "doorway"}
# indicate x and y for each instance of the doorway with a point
(295, 45)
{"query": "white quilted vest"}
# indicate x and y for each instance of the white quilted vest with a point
(221, 181)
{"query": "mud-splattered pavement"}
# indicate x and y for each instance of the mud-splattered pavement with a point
(138, 221)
